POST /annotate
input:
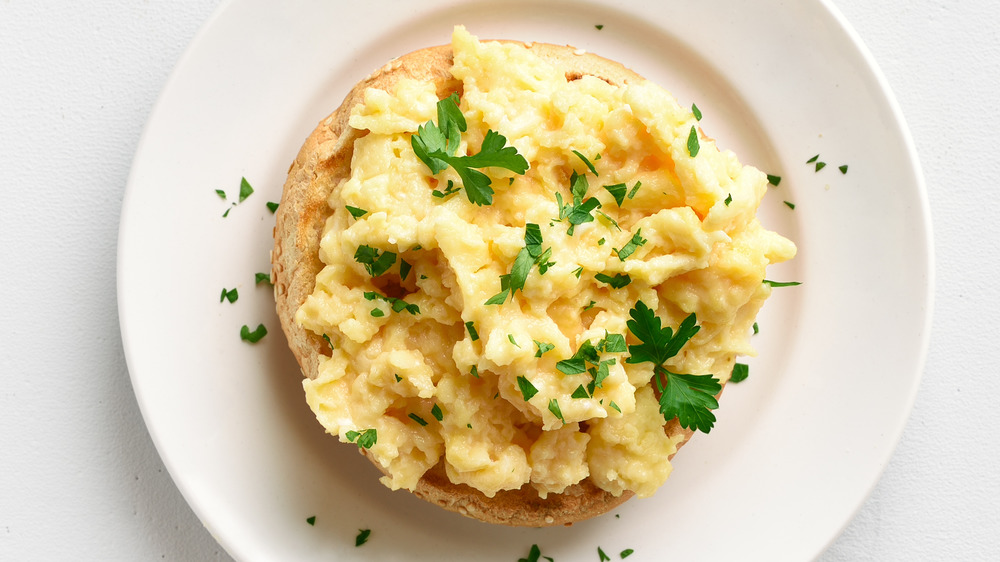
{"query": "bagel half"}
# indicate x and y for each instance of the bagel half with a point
(323, 164)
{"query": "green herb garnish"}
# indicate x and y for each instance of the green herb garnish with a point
(689, 398)
(617, 191)
(364, 439)
(729, 199)
(543, 348)
(820, 166)
(374, 261)
(417, 419)
(626, 553)
(398, 305)
(603, 557)
(813, 159)
(756, 329)
(245, 189)
(556, 411)
(599, 26)
(437, 413)
(362, 537)
(773, 180)
(311, 520)
(740, 372)
(510, 338)
(356, 212)
(696, 112)
(633, 245)
(781, 283)
(272, 206)
(843, 169)
(221, 194)
(527, 389)
(693, 145)
(528, 257)
(436, 146)
(635, 188)
(254, 336)
(259, 278)
(230, 295)
(470, 326)
(790, 205)
(617, 282)
(590, 166)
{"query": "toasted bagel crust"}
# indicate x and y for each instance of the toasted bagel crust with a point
(321, 165)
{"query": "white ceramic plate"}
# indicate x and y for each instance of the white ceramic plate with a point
(797, 447)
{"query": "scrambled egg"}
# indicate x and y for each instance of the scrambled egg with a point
(441, 384)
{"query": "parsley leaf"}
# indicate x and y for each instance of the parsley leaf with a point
(543, 347)
(635, 188)
(397, 305)
(590, 166)
(272, 206)
(693, 146)
(556, 411)
(633, 244)
(773, 180)
(689, 398)
(580, 210)
(437, 146)
(356, 212)
(617, 282)
(365, 439)
(740, 372)
(230, 295)
(617, 191)
(417, 418)
(528, 390)
(362, 537)
(245, 189)
(254, 336)
(528, 257)
(781, 283)
(471, 327)
(437, 413)
(375, 262)
(696, 112)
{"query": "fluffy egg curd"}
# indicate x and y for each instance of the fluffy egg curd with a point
(499, 260)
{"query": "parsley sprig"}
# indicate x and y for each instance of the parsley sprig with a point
(529, 256)
(436, 145)
(689, 398)
(587, 359)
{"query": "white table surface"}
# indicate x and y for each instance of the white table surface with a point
(80, 477)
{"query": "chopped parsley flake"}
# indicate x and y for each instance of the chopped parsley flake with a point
(603, 557)
(554, 408)
(230, 295)
(590, 305)
(590, 166)
(364, 439)
(580, 210)
(599, 26)
(843, 169)
(617, 191)
(311, 520)
(448, 192)
(617, 282)
(696, 112)
(729, 199)
(254, 336)
(404, 269)
(437, 413)
(756, 329)
(272, 206)
(378, 312)
(813, 159)
(245, 189)
(259, 278)
(356, 212)
(626, 553)
(510, 338)
(474, 371)
(436, 145)
(820, 166)
(615, 406)
(470, 326)
(578, 271)
(362, 537)
(374, 261)
(782, 283)
(633, 245)
(543, 348)
(635, 188)
(417, 419)
(740, 372)
(580, 392)
(773, 180)
(790, 205)
(527, 389)
(398, 305)
(221, 194)
(529, 256)
(693, 145)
